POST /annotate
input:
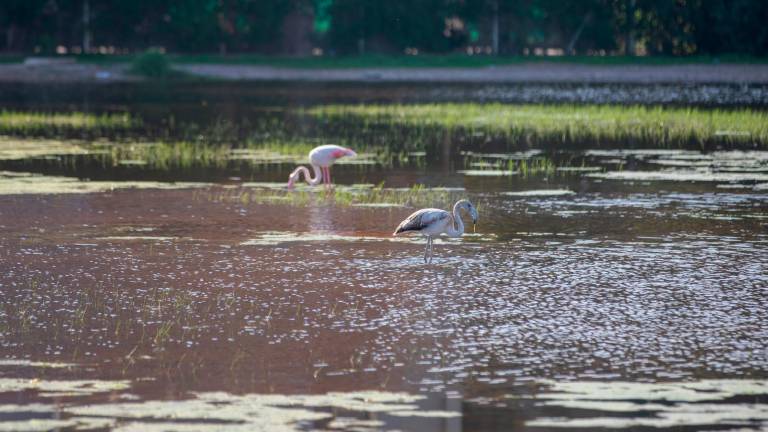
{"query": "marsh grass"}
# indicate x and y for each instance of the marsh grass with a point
(417, 195)
(567, 124)
(523, 166)
(55, 124)
(167, 155)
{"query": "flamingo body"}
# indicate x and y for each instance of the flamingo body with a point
(320, 158)
(431, 222)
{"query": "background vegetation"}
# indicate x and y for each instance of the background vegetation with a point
(338, 27)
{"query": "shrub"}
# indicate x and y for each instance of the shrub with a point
(152, 63)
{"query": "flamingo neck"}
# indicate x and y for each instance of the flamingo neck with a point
(303, 170)
(458, 230)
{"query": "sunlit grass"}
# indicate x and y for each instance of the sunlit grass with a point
(18, 122)
(379, 195)
(166, 155)
(596, 124)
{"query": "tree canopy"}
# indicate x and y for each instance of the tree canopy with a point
(652, 27)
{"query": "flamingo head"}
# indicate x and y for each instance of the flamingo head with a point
(341, 152)
(292, 179)
(469, 208)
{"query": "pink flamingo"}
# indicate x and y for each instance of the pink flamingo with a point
(321, 158)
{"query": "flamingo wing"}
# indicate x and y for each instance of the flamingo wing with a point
(421, 219)
(327, 154)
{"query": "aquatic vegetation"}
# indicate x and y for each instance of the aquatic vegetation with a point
(20, 148)
(166, 155)
(540, 192)
(488, 173)
(568, 124)
(218, 410)
(663, 405)
(364, 195)
(55, 124)
(21, 183)
(54, 388)
(682, 176)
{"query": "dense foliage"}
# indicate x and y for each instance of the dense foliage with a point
(667, 27)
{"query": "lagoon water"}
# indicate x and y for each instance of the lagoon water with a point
(619, 288)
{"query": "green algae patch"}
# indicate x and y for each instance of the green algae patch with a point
(21, 148)
(22, 122)
(16, 183)
(358, 195)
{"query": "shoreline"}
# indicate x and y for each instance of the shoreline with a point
(540, 73)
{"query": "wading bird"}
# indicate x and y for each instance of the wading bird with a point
(432, 222)
(321, 158)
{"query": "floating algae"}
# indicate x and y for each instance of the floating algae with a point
(54, 387)
(540, 192)
(218, 410)
(16, 183)
(270, 238)
(660, 405)
(681, 176)
(488, 173)
(19, 148)
(34, 364)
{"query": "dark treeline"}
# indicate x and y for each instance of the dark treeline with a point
(509, 27)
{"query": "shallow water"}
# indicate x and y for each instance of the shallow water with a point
(625, 290)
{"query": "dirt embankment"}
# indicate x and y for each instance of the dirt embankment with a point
(54, 71)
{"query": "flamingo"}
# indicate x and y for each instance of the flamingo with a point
(431, 222)
(321, 158)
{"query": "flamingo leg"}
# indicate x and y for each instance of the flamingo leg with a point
(330, 183)
(325, 177)
(431, 249)
(426, 251)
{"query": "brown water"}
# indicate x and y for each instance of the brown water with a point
(622, 299)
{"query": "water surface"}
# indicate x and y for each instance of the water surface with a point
(613, 288)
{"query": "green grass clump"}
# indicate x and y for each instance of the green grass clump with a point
(417, 195)
(49, 124)
(151, 64)
(167, 155)
(568, 124)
